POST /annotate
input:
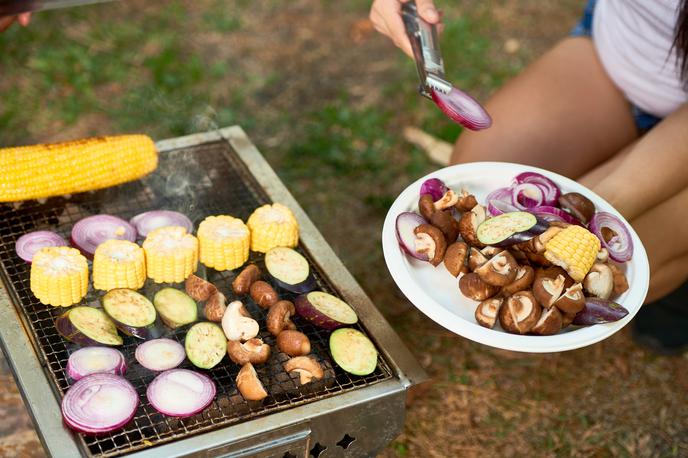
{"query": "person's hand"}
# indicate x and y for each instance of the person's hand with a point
(386, 17)
(6, 21)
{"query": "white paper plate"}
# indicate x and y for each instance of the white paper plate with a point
(435, 292)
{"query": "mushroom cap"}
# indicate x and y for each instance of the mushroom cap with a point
(437, 237)
(426, 206)
(307, 368)
(242, 283)
(293, 343)
(237, 323)
(455, 258)
(524, 279)
(520, 313)
(547, 290)
(198, 288)
(279, 317)
(253, 351)
(466, 201)
(550, 322)
(444, 221)
(487, 311)
(215, 308)
(599, 281)
(578, 205)
(468, 225)
(263, 294)
(572, 301)
(553, 272)
(448, 200)
(499, 270)
(474, 288)
(249, 385)
(476, 259)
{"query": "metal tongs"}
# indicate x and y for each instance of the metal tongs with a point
(426, 51)
(425, 44)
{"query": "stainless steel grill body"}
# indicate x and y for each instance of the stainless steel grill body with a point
(215, 173)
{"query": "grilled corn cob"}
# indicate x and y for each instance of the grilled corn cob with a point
(119, 264)
(575, 249)
(272, 226)
(31, 172)
(171, 254)
(59, 276)
(223, 242)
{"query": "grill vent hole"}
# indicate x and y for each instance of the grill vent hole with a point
(317, 450)
(346, 441)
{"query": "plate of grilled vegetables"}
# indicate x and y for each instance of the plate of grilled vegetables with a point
(515, 257)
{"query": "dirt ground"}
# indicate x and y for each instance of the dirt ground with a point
(325, 99)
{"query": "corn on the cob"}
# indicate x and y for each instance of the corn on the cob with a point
(223, 242)
(59, 276)
(575, 249)
(171, 254)
(32, 172)
(119, 264)
(273, 226)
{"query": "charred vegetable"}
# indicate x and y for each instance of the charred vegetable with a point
(175, 307)
(353, 351)
(510, 228)
(325, 310)
(289, 269)
(87, 326)
(205, 345)
(131, 312)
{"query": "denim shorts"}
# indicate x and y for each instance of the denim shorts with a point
(644, 121)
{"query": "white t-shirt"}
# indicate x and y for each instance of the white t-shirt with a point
(633, 39)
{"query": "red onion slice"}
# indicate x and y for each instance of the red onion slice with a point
(497, 207)
(463, 109)
(435, 187)
(180, 392)
(405, 225)
(551, 190)
(95, 360)
(149, 221)
(550, 214)
(620, 246)
(91, 231)
(526, 195)
(160, 354)
(99, 403)
(28, 244)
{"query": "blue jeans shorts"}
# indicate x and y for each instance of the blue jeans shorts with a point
(644, 121)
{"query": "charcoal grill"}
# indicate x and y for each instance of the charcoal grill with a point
(219, 172)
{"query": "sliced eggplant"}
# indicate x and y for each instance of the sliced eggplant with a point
(599, 311)
(325, 310)
(289, 269)
(175, 307)
(510, 228)
(87, 326)
(353, 351)
(131, 312)
(205, 345)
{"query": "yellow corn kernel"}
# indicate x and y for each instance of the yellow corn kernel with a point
(223, 242)
(119, 264)
(59, 276)
(171, 254)
(35, 171)
(273, 226)
(574, 249)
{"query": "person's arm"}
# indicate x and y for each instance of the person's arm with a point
(386, 17)
(7, 21)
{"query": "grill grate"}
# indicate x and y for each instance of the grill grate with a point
(201, 180)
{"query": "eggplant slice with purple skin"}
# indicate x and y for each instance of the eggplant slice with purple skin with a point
(325, 310)
(597, 311)
(290, 270)
(510, 228)
(85, 326)
(132, 313)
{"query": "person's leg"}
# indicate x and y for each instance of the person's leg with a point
(562, 113)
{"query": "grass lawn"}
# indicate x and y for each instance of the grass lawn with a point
(325, 99)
